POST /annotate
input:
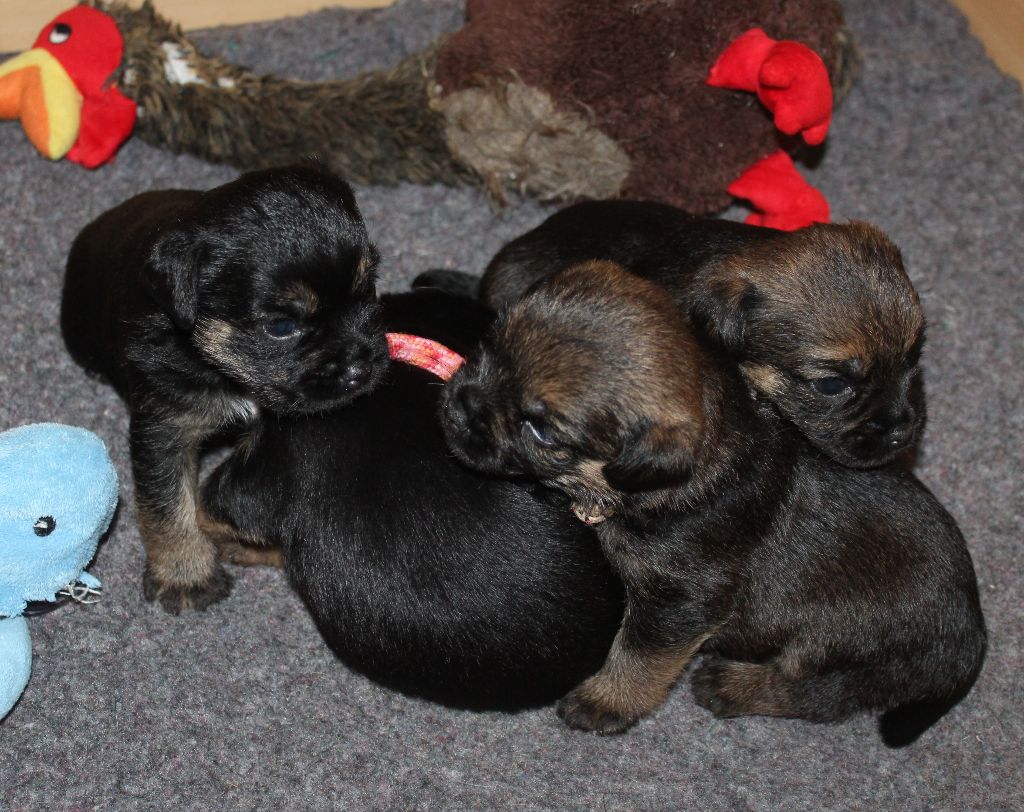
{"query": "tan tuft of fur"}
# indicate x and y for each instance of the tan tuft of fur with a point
(763, 378)
(303, 294)
(516, 138)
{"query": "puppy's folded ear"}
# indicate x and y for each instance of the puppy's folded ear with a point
(172, 276)
(652, 457)
(720, 308)
(314, 161)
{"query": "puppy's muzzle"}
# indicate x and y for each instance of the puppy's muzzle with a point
(470, 429)
(347, 372)
(895, 434)
(882, 436)
(465, 418)
(352, 375)
(467, 409)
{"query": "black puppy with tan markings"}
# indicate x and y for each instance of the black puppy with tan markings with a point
(824, 322)
(813, 590)
(420, 573)
(204, 309)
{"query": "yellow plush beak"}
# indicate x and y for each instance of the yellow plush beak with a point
(35, 88)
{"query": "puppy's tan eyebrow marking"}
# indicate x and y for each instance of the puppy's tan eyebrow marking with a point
(833, 363)
(764, 377)
(857, 349)
(301, 293)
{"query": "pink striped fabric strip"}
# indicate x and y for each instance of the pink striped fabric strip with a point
(424, 353)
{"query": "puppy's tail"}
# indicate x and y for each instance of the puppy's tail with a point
(458, 283)
(903, 725)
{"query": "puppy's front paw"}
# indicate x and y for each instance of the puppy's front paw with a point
(580, 709)
(175, 598)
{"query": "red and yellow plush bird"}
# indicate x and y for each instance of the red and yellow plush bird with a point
(63, 90)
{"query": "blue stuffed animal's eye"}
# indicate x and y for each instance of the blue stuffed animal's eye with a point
(44, 525)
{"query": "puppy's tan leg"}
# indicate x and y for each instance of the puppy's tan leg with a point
(731, 688)
(182, 570)
(632, 683)
(234, 548)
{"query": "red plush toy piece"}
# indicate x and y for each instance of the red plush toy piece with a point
(107, 121)
(63, 88)
(89, 46)
(789, 78)
(784, 200)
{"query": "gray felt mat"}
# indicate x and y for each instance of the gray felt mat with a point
(243, 707)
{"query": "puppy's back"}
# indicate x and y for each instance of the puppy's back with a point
(104, 284)
(660, 242)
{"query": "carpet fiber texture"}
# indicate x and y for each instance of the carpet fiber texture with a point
(244, 707)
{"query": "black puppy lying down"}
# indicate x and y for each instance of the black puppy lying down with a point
(422, 574)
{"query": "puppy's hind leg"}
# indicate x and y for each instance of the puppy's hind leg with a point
(182, 570)
(730, 688)
(235, 548)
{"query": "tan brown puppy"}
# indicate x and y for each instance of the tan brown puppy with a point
(814, 590)
(205, 309)
(824, 321)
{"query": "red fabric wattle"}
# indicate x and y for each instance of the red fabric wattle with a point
(782, 197)
(788, 77)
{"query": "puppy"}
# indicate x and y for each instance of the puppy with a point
(425, 576)
(813, 590)
(204, 309)
(824, 322)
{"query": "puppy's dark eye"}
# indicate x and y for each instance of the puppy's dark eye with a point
(830, 387)
(281, 328)
(44, 525)
(539, 431)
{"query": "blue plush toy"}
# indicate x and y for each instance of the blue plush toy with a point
(58, 491)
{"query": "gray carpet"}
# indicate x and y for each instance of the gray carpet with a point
(243, 707)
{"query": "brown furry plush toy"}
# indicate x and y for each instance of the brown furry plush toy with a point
(551, 98)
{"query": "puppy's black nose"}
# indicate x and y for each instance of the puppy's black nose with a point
(356, 374)
(469, 400)
(894, 430)
(466, 408)
(902, 431)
